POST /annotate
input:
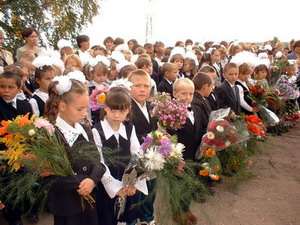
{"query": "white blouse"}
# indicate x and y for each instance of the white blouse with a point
(112, 185)
(34, 105)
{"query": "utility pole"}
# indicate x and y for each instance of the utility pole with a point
(149, 23)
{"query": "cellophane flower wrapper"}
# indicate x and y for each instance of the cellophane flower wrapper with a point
(97, 98)
(269, 118)
(170, 113)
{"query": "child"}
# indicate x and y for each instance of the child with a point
(212, 98)
(43, 77)
(189, 68)
(227, 92)
(126, 70)
(178, 60)
(145, 64)
(99, 73)
(115, 132)
(216, 63)
(112, 73)
(144, 124)
(66, 107)
(188, 135)
(170, 73)
(245, 101)
(109, 44)
(73, 62)
(83, 43)
(203, 87)
(261, 75)
(10, 108)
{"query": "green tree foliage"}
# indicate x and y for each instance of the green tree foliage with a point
(56, 18)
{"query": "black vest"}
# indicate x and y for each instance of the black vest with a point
(40, 103)
(120, 151)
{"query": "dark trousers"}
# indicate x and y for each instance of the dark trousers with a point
(148, 201)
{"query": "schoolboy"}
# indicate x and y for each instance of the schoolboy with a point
(144, 124)
(188, 135)
(10, 108)
(227, 92)
(203, 87)
(170, 73)
(212, 98)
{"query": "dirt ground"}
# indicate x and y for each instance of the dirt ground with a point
(271, 197)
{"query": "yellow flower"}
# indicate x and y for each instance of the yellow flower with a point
(101, 98)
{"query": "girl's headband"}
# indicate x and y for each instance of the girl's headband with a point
(64, 82)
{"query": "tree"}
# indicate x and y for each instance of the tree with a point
(56, 18)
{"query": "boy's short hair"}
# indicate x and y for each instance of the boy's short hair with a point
(11, 75)
(183, 82)
(229, 65)
(82, 38)
(138, 73)
(201, 79)
(141, 62)
(207, 69)
(167, 67)
(126, 70)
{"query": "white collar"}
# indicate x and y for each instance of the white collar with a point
(170, 82)
(110, 132)
(70, 133)
(43, 95)
(97, 85)
(14, 100)
(139, 105)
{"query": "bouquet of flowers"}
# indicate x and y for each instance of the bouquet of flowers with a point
(220, 135)
(288, 87)
(33, 151)
(210, 165)
(159, 149)
(258, 93)
(255, 126)
(171, 113)
(97, 98)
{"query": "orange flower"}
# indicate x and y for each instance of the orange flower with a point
(24, 120)
(101, 98)
(210, 153)
(203, 173)
(215, 177)
(252, 119)
(3, 129)
(216, 168)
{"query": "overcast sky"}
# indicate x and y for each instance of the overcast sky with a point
(199, 20)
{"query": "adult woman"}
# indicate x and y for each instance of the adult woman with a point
(6, 57)
(31, 37)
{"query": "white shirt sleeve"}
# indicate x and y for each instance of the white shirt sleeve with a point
(111, 185)
(243, 103)
(34, 106)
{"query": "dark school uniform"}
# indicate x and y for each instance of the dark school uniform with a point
(229, 97)
(107, 190)
(67, 206)
(165, 86)
(144, 127)
(213, 101)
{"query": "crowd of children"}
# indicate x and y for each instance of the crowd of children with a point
(42, 82)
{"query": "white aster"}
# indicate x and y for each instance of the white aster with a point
(153, 160)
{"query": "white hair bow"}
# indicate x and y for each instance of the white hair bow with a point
(64, 82)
